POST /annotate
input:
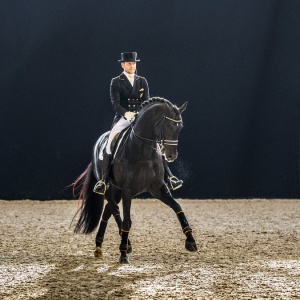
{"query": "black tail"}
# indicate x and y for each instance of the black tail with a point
(92, 203)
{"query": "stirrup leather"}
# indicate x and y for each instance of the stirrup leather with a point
(100, 185)
(175, 183)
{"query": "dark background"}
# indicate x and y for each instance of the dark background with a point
(236, 62)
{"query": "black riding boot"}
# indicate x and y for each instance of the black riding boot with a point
(172, 181)
(101, 186)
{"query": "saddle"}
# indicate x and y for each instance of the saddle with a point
(115, 144)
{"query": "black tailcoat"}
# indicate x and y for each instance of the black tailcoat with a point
(125, 97)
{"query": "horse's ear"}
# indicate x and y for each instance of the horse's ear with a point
(183, 107)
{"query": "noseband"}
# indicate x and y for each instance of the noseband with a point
(164, 142)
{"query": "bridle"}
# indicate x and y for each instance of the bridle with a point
(161, 141)
(164, 142)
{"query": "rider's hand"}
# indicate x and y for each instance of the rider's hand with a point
(129, 116)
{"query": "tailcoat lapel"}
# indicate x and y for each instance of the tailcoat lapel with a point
(125, 81)
(136, 80)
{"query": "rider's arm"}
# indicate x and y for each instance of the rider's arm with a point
(115, 97)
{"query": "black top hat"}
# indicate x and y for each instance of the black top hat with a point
(128, 57)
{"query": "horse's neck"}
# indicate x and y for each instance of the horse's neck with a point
(143, 139)
(147, 121)
(145, 130)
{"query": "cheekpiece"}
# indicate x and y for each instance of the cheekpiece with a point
(128, 57)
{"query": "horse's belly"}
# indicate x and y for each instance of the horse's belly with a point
(140, 176)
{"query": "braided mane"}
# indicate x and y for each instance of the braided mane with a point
(155, 100)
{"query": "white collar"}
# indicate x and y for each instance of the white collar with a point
(126, 74)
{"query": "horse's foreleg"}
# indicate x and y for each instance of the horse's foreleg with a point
(165, 196)
(126, 225)
(119, 223)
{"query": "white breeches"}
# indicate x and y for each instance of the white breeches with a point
(120, 125)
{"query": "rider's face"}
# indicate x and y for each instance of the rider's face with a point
(129, 67)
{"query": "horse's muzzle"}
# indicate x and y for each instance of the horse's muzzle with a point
(170, 155)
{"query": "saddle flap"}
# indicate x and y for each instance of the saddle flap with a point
(118, 141)
(115, 144)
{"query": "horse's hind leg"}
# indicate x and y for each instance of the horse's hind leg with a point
(165, 196)
(103, 224)
(114, 197)
(100, 234)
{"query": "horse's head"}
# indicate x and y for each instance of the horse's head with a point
(168, 131)
(159, 121)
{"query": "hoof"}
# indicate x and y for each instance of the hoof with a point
(123, 260)
(129, 249)
(98, 252)
(191, 246)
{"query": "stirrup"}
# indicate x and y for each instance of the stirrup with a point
(100, 187)
(175, 183)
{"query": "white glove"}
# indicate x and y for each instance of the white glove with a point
(129, 116)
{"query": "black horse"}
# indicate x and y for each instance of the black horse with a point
(137, 168)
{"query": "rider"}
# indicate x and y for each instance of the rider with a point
(127, 92)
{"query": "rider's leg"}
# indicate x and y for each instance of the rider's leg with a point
(173, 182)
(101, 186)
(120, 125)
